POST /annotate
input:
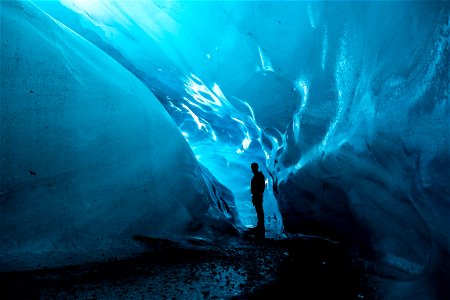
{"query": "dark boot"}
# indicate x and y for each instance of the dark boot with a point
(260, 232)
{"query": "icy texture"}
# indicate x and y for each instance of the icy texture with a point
(151, 43)
(90, 158)
(347, 105)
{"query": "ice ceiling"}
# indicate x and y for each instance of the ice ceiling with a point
(345, 106)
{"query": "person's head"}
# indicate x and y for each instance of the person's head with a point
(254, 167)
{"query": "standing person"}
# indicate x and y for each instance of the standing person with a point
(258, 184)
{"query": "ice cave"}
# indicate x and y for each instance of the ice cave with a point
(126, 118)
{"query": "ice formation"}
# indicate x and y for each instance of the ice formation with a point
(346, 104)
(90, 158)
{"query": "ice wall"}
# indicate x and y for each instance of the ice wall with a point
(346, 103)
(152, 40)
(89, 157)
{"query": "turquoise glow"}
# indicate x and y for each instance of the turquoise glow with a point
(345, 106)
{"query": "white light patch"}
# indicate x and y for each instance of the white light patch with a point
(246, 142)
(216, 89)
(201, 93)
(200, 125)
(303, 87)
(186, 136)
(214, 136)
(312, 22)
(265, 62)
(237, 120)
(342, 77)
(324, 48)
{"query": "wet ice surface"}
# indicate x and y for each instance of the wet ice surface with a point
(242, 268)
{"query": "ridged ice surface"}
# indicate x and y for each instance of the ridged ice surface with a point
(89, 161)
(345, 105)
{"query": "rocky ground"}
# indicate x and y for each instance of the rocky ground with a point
(241, 268)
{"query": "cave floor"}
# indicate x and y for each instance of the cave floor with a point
(243, 268)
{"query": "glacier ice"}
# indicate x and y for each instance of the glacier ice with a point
(345, 103)
(90, 158)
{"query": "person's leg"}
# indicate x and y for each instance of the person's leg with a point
(260, 214)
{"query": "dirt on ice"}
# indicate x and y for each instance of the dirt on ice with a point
(241, 268)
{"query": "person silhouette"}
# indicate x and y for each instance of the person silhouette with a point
(258, 185)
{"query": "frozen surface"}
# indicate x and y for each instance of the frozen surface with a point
(152, 40)
(346, 104)
(90, 158)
